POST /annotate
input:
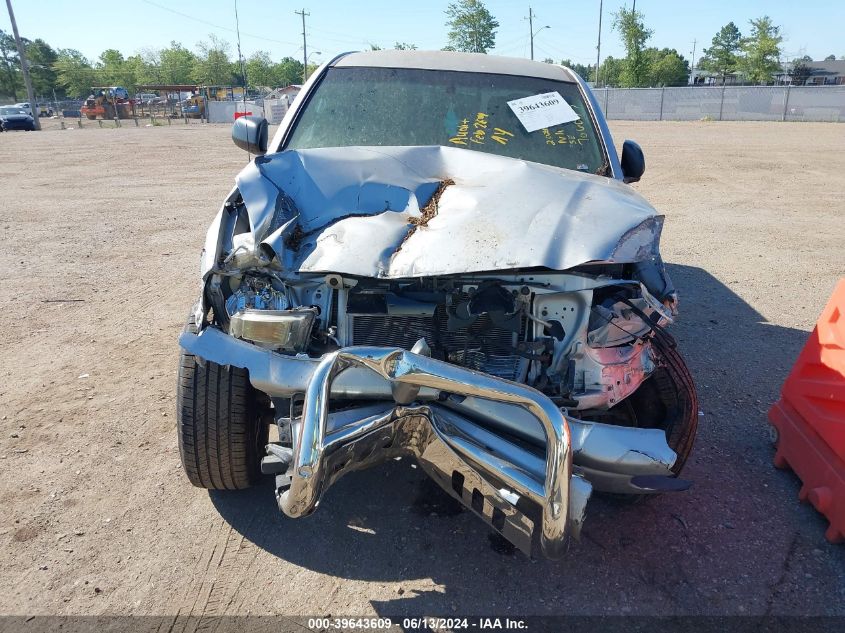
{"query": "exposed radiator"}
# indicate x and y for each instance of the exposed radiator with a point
(482, 346)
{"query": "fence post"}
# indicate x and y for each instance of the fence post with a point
(662, 93)
(606, 94)
(722, 102)
(785, 102)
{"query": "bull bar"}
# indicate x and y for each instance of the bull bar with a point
(430, 409)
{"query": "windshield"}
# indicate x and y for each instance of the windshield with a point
(11, 111)
(403, 106)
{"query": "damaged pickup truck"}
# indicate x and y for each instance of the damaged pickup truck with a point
(438, 256)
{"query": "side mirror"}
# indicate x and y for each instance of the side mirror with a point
(250, 134)
(633, 162)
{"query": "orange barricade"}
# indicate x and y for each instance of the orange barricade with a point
(810, 417)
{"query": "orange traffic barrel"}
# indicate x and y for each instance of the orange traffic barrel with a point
(809, 418)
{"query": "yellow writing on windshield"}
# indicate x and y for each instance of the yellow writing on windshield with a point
(479, 128)
(477, 131)
(463, 133)
(501, 136)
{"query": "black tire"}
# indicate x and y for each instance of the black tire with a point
(666, 400)
(679, 397)
(221, 435)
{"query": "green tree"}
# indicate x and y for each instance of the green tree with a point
(404, 46)
(11, 82)
(800, 72)
(830, 58)
(472, 28)
(112, 70)
(142, 69)
(287, 72)
(74, 72)
(762, 51)
(212, 65)
(259, 70)
(610, 72)
(587, 71)
(667, 67)
(176, 64)
(721, 58)
(634, 34)
(41, 58)
(146, 64)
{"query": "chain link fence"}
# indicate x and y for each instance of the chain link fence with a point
(724, 103)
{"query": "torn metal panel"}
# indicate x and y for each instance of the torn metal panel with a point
(354, 207)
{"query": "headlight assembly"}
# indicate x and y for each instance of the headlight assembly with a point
(285, 330)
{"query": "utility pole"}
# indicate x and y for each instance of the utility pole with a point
(30, 93)
(531, 29)
(598, 45)
(692, 72)
(304, 47)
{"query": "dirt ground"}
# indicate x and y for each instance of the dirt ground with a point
(101, 234)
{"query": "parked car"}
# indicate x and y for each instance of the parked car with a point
(147, 99)
(43, 109)
(438, 255)
(24, 106)
(15, 118)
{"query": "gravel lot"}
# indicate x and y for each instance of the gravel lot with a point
(102, 230)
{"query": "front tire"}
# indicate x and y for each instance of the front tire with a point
(667, 400)
(221, 434)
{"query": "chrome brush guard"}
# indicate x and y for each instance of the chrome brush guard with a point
(461, 466)
(462, 426)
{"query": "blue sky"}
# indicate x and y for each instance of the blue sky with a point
(812, 27)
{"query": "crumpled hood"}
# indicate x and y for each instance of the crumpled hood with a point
(363, 211)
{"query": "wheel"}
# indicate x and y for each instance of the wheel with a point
(666, 400)
(218, 420)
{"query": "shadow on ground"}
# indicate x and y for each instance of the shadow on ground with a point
(732, 544)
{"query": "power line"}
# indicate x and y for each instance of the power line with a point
(216, 26)
(520, 45)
